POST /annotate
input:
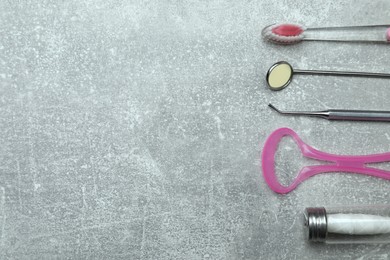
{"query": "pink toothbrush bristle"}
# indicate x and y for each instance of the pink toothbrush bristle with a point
(287, 30)
(284, 33)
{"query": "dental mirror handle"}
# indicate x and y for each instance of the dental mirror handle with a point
(343, 73)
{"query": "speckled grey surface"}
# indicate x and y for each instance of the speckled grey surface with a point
(133, 129)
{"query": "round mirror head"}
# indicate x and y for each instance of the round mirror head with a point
(279, 75)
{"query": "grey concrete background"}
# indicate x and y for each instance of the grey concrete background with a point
(133, 129)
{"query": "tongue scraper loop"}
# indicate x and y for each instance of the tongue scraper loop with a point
(337, 163)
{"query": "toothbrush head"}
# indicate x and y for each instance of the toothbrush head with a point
(283, 33)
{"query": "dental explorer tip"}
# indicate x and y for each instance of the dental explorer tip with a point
(274, 108)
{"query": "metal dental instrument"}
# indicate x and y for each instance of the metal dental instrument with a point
(281, 73)
(341, 114)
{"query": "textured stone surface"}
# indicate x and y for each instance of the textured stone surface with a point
(133, 129)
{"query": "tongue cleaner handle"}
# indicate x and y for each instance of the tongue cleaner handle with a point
(388, 35)
(351, 164)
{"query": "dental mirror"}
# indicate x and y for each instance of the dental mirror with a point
(281, 73)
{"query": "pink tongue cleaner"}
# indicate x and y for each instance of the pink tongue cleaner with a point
(294, 30)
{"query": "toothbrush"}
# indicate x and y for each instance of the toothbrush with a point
(294, 33)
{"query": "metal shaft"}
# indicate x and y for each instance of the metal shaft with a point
(350, 27)
(323, 114)
(341, 114)
(343, 73)
(344, 40)
(337, 34)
